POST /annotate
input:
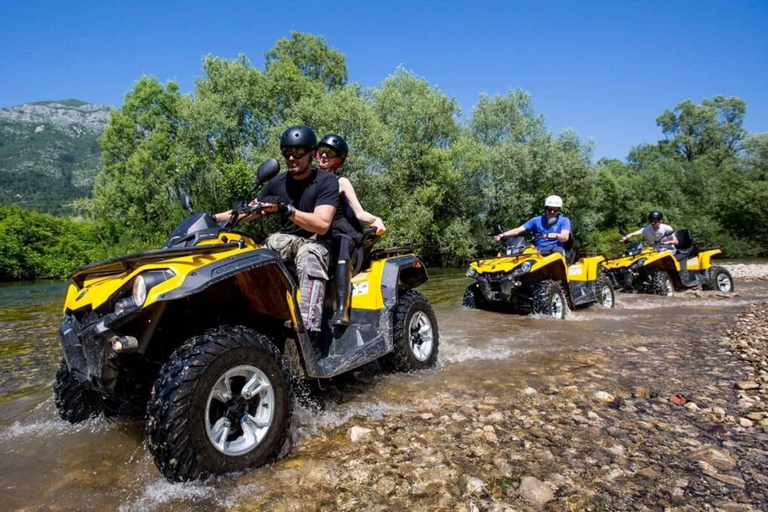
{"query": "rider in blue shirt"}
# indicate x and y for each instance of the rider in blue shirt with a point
(552, 226)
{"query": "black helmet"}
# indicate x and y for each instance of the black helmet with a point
(336, 142)
(655, 215)
(302, 136)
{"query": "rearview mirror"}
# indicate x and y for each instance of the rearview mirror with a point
(497, 229)
(267, 170)
(186, 202)
(622, 231)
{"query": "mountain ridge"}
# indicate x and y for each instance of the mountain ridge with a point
(49, 153)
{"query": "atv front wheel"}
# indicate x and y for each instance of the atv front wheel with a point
(469, 300)
(222, 403)
(549, 299)
(719, 279)
(74, 403)
(661, 284)
(414, 333)
(605, 294)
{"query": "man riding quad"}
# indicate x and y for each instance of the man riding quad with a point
(553, 229)
(656, 233)
(200, 335)
(669, 261)
(541, 277)
(307, 200)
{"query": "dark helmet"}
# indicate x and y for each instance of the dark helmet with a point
(298, 136)
(655, 215)
(336, 142)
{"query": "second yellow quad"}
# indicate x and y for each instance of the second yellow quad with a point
(521, 278)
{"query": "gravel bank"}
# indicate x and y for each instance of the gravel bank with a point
(643, 423)
(748, 271)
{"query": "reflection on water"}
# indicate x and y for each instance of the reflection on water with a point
(104, 465)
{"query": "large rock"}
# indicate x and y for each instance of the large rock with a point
(719, 459)
(357, 434)
(747, 385)
(535, 491)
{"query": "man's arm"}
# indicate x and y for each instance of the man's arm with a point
(630, 235)
(561, 236)
(512, 232)
(672, 240)
(318, 221)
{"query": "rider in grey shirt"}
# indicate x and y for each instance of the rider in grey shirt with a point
(656, 232)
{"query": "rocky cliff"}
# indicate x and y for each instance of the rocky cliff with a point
(49, 153)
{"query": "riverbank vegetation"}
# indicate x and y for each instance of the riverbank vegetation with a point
(439, 181)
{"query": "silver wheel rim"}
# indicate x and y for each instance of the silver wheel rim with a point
(668, 288)
(239, 410)
(556, 305)
(420, 336)
(723, 283)
(606, 296)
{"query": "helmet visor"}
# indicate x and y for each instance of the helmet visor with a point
(328, 152)
(295, 151)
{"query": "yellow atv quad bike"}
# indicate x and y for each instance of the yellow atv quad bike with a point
(654, 269)
(194, 336)
(523, 279)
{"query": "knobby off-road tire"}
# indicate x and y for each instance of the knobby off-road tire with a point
(470, 300)
(606, 297)
(178, 421)
(661, 284)
(74, 403)
(415, 335)
(719, 279)
(549, 299)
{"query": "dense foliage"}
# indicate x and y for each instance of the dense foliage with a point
(439, 183)
(35, 245)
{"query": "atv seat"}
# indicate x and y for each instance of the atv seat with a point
(570, 252)
(685, 247)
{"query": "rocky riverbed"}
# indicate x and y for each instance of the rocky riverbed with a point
(646, 423)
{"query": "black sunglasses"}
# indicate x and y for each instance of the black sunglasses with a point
(553, 210)
(328, 152)
(295, 151)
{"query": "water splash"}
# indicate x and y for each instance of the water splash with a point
(46, 428)
(161, 492)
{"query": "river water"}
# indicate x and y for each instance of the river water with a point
(47, 464)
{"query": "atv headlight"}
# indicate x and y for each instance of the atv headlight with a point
(524, 268)
(471, 272)
(145, 282)
(639, 263)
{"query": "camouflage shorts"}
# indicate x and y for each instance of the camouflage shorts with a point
(312, 259)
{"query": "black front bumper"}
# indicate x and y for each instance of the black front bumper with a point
(498, 288)
(622, 278)
(86, 348)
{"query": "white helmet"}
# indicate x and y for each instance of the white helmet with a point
(553, 202)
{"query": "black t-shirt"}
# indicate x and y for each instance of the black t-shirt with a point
(319, 188)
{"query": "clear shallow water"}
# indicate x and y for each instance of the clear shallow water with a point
(47, 464)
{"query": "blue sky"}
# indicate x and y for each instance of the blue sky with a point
(606, 69)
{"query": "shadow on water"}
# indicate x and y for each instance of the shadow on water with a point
(48, 464)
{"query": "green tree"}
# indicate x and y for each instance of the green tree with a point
(312, 57)
(714, 128)
(143, 158)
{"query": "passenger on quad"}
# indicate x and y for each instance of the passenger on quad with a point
(347, 231)
(554, 229)
(656, 232)
(307, 200)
